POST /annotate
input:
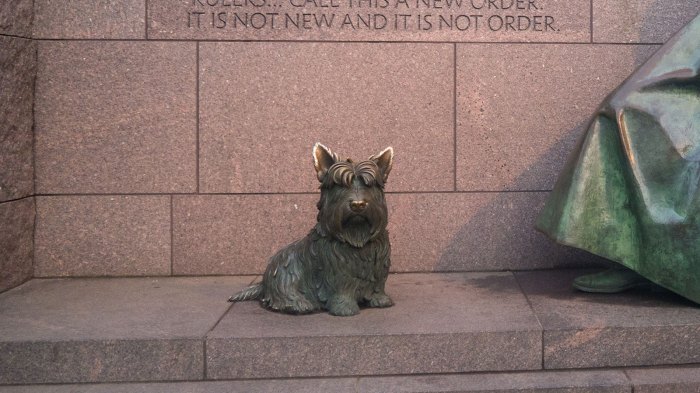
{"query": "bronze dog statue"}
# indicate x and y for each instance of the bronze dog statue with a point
(343, 262)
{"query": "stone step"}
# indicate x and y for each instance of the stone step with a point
(440, 323)
(182, 329)
(682, 379)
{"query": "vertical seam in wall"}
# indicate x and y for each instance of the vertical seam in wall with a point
(591, 22)
(204, 360)
(36, 209)
(629, 380)
(36, 71)
(197, 116)
(454, 115)
(31, 25)
(145, 15)
(172, 247)
(36, 218)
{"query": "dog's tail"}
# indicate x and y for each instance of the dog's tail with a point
(251, 293)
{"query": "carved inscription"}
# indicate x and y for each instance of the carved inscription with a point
(452, 16)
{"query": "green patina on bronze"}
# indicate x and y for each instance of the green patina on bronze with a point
(631, 189)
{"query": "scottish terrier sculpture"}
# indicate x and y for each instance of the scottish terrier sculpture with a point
(344, 260)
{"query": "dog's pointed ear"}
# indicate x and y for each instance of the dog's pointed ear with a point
(324, 158)
(384, 160)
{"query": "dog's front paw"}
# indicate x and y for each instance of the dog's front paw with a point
(343, 306)
(297, 305)
(381, 300)
(300, 306)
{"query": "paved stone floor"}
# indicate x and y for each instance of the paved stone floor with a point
(451, 332)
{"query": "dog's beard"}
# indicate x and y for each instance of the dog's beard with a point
(356, 230)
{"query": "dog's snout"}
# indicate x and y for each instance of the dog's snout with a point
(358, 206)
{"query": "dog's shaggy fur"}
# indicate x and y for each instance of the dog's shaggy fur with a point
(344, 261)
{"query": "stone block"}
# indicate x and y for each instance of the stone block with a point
(116, 117)
(595, 381)
(100, 330)
(16, 242)
(237, 234)
(475, 322)
(264, 105)
(16, 18)
(335, 385)
(641, 21)
(521, 108)
(105, 360)
(103, 236)
(665, 380)
(584, 330)
(608, 381)
(17, 73)
(90, 19)
(471, 232)
(382, 20)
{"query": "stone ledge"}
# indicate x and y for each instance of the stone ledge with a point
(103, 330)
(156, 329)
(636, 328)
(475, 321)
(676, 379)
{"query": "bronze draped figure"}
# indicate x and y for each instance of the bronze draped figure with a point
(631, 189)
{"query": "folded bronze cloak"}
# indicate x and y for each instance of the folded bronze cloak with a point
(630, 191)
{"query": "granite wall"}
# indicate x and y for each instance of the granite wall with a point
(17, 209)
(174, 137)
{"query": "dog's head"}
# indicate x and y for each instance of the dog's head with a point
(352, 207)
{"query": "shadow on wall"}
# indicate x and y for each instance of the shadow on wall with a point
(505, 241)
(652, 21)
(663, 13)
(493, 238)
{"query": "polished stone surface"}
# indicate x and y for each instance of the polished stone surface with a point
(16, 17)
(334, 385)
(116, 117)
(99, 330)
(236, 234)
(640, 21)
(594, 381)
(613, 381)
(90, 19)
(343, 20)
(471, 232)
(102, 236)
(154, 329)
(585, 330)
(521, 108)
(16, 248)
(428, 232)
(17, 73)
(476, 322)
(665, 380)
(264, 105)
